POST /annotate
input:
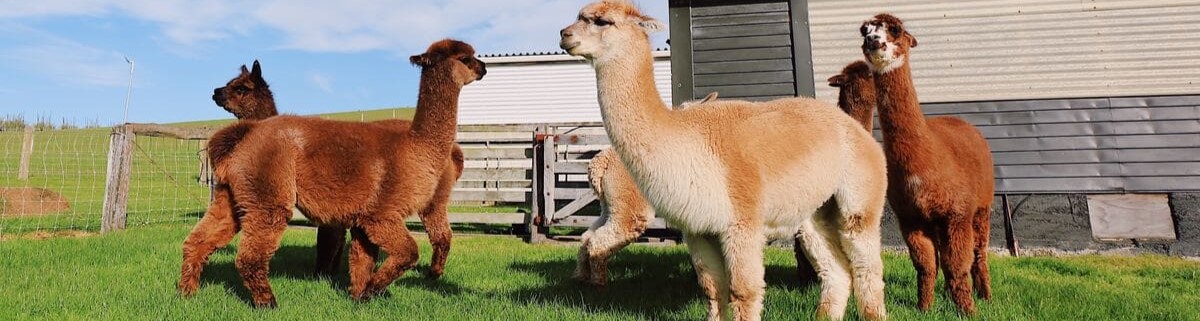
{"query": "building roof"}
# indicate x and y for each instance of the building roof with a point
(550, 56)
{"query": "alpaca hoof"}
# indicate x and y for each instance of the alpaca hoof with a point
(186, 291)
(434, 274)
(967, 310)
(266, 304)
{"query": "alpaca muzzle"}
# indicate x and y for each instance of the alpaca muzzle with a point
(218, 96)
(872, 43)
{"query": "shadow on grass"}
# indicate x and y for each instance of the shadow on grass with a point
(294, 262)
(298, 262)
(652, 285)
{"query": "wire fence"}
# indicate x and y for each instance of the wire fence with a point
(54, 180)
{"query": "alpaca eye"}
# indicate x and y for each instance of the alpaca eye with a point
(894, 30)
(602, 22)
(241, 89)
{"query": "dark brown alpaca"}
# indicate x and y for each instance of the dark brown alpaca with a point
(939, 174)
(367, 176)
(248, 97)
(856, 92)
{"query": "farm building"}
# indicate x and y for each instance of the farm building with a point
(1090, 108)
(542, 88)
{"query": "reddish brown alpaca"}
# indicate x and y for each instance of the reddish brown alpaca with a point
(248, 97)
(940, 180)
(366, 176)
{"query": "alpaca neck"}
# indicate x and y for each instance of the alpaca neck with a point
(900, 114)
(266, 108)
(630, 105)
(436, 117)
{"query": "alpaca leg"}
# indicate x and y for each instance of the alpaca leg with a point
(589, 239)
(362, 261)
(955, 256)
(393, 237)
(710, 273)
(923, 254)
(979, 269)
(861, 243)
(804, 268)
(744, 261)
(831, 265)
(263, 230)
(437, 225)
(214, 231)
(331, 242)
(615, 231)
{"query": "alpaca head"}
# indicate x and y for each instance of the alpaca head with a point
(857, 88)
(855, 76)
(605, 27)
(454, 55)
(246, 96)
(886, 42)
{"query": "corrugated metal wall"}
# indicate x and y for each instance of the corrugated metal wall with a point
(541, 89)
(742, 51)
(1134, 144)
(975, 50)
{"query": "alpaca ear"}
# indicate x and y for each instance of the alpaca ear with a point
(422, 60)
(838, 80)
(650, 24)
(911, 39)
(257, 71)
(244, 70)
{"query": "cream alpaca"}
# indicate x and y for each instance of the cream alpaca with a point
(732, 173)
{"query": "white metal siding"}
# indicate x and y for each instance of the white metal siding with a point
(975, 50)
(547, 89)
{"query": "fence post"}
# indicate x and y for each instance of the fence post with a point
(536, 222)
(1014, 247)
(116, 185)
(26, 153)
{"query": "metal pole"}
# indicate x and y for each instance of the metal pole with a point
(1014, 247)
(128, 92)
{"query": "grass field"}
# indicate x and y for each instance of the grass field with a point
(358, 115)
(131, 275)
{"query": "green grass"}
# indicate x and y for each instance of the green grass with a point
(131, 275)
(359, 115)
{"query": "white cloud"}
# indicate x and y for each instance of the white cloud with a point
(402, 27)
(322, 82)
(21, 8)
(63, 60)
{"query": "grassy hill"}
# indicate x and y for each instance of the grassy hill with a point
(359, 115)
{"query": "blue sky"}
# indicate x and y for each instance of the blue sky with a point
(63, 58)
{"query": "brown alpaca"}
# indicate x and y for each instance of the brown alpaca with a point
(940, 179)
(248, 97)
(856, 92)
(733, 173)
(368, 177)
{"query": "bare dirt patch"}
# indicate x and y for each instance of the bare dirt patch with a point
(31, 201)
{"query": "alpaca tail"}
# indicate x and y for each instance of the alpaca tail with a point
(222, 143)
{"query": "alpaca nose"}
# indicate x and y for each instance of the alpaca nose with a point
(217, 92)
(564, 33)
(872, 43)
